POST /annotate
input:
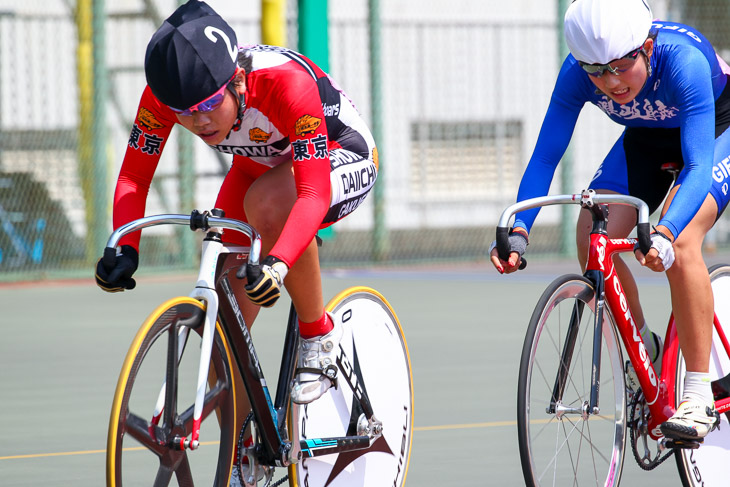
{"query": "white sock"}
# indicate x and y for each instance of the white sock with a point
(648, 338)
(698, 386)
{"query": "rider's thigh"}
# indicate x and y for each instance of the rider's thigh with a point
(689, 242)
(270, 199)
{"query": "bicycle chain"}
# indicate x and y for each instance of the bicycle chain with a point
(239, 444)
(632, 425)
(239, 449)
(280, 481)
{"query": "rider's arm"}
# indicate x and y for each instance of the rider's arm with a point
(690, 78)
(568, 98)
(147, 139)
(304, 122)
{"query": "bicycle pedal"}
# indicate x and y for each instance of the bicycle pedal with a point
(684, 444)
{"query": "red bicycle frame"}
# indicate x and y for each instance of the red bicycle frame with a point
(660, 392)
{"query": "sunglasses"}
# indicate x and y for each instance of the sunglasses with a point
(207, 105)
(616, 66)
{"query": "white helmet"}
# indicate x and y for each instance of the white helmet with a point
(599, 31)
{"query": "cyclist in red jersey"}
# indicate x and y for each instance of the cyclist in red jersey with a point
(303, 158)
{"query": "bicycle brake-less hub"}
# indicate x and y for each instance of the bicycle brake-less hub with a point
(184, 443)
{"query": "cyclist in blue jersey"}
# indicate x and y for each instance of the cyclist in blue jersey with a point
(666, 85)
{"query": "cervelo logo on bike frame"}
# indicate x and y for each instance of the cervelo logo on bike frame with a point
(601, 248)
(636, 337)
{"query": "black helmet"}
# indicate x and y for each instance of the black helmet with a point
(191, 56)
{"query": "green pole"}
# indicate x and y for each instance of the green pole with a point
(381, 242)
(567, 185)
(99, 142)
(314, 32)
(313, 42)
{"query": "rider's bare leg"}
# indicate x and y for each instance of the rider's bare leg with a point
(268, 203)
(692, 300)
(692, 305)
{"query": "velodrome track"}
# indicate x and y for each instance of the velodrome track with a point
(63, 344)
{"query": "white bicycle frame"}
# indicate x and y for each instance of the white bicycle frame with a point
(204, 291)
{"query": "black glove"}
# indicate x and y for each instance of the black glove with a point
(114, 270)
(265, 281)
(517, 243)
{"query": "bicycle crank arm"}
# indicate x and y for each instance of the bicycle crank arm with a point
(325, 446)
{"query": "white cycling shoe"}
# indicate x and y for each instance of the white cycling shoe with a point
(693, 420)
(316, 368)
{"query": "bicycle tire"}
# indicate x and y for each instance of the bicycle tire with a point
(138, 387)
(373, 339)
(707, 465)
(570, 449)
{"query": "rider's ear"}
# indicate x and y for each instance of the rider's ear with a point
(239, 81)
(649, 46)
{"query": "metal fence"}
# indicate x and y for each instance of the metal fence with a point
(463, 94)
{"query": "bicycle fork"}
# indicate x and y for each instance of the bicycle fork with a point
(591, 406)
(204, 291)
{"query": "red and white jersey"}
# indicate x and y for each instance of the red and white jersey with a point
(294, 112)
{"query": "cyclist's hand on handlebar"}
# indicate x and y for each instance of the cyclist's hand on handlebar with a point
(517, 245)
(661, 254)
(265, 281)
(114, 270)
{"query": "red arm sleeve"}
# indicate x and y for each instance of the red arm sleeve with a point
(302, 117)
(150, 132)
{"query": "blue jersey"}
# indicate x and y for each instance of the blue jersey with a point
(686, 79)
